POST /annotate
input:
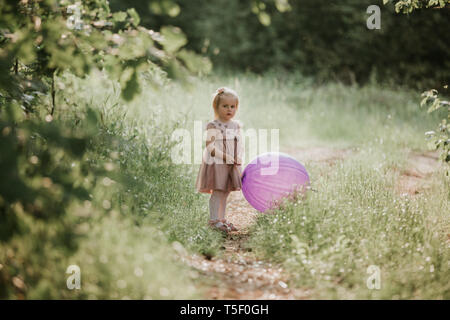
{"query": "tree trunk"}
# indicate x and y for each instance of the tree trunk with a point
(53, 93)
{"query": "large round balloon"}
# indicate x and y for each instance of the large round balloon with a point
(270, 177)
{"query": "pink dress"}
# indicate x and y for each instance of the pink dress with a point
(217, 171)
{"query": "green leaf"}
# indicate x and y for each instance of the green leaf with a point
(264, 18)
(165, 7)
(131, 87)
(282, 5)
(173, 38)
(119, 16)
(174, 10)
(135, 20)
(26, 52)
(194, 62)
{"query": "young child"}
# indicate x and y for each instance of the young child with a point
(220, 171)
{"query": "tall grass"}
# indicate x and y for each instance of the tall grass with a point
(354, 220)
(145, 211)
(357, 219)
(136, 137)
(306, 114)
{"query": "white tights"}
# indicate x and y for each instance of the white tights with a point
(217, 204)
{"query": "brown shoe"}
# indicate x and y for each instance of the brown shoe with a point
(230, 226)
(219, 225)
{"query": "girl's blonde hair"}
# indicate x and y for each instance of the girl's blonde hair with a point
(221, 92)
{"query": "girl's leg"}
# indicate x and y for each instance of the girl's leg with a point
(223, 204)
(215, 209)
(214, 204)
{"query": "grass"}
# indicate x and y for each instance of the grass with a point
(147, 209)
(356, 220)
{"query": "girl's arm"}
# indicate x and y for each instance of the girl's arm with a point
(211, 136)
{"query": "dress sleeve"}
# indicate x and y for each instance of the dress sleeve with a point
(213, 134)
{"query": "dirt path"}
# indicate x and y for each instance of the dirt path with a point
(415, 178)
(238, 274)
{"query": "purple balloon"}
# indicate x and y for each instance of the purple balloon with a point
(270, 177)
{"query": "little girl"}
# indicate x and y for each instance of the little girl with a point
(220, 171)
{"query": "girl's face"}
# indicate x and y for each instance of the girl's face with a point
(227, 108)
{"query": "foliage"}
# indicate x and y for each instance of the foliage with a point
(68, 185)
(408, 6)
(122, 260)
(141, 207)
(43, 173)
(39, 158)
(51, 176)
(441, 136)
(93, 184)
(39, 38)
(154, 190)
(323, 39)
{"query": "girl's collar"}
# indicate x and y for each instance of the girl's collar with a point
(217, 120)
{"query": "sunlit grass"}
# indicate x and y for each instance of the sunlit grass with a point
(354, 220)
(147, 209)
(121, 260)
